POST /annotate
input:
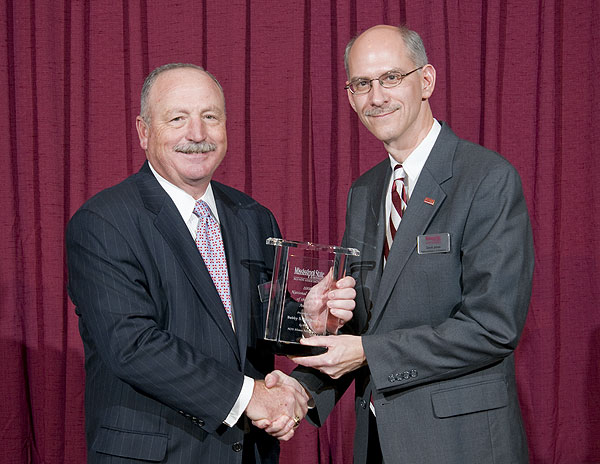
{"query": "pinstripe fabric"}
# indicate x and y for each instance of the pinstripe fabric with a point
(163, 367)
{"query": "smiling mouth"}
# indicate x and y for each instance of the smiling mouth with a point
(380, 112)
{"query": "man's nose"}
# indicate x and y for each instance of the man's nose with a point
(378, 93)
(196, 130)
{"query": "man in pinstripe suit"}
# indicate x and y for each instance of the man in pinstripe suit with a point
(170, 376)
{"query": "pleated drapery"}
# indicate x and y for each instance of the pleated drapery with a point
(519, 77)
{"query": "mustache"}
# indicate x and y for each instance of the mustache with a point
(381, 110)
(195, 147)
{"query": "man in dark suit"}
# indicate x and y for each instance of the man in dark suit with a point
(164, 270)
(443, 279)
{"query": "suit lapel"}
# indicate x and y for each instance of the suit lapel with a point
(235, 241)
(174, 231)
(417, 217)
(375, 229)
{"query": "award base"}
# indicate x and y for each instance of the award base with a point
(290, 348)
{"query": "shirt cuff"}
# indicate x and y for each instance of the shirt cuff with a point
(242, 402)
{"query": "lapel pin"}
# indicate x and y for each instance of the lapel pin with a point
(429, 201)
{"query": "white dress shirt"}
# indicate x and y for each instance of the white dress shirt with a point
(413, 165)
(185, 204)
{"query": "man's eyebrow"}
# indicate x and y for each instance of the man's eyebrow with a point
(393, 70)
(177, 110)
(183, 110)
(214, 108)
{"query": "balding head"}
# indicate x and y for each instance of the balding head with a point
(377, 35)
(390, 66)
(151, 79)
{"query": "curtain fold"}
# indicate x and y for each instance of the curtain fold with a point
(518, 77)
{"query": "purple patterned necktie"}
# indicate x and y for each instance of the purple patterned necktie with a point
(210, 245)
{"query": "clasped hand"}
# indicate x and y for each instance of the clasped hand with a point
(278, 404)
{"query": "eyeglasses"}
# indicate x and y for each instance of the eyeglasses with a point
(387, 80)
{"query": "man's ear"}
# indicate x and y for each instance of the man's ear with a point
(428, 81)
(351, 99)
(142, 130)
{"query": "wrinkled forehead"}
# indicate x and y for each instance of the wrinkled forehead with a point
(377, 53)
(185, 86)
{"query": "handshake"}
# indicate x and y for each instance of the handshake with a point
(278, 404)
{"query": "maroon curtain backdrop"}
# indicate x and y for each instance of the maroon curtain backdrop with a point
(520, 77)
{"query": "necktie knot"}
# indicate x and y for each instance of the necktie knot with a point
(399, 173)
(201, 209)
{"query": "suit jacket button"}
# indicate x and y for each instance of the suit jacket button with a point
(391, 378)
(398, 377)
(414, 373)
(363, 404)
(237, 447)
(405, 375)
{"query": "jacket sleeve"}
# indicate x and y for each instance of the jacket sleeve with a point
(484, 325)
(124, 324)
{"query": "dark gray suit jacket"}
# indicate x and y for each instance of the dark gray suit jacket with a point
(163, 365)
(439, 330)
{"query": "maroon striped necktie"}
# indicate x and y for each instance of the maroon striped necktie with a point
(399, 200)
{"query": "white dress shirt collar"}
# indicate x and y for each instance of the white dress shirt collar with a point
(413, 165)
(185, 203)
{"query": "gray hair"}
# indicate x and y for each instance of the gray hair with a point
(151, 79)
(412, 41)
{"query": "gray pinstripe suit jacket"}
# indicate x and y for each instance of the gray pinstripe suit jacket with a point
(439, 330)
(163, 365)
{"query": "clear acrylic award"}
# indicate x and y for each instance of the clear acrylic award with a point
(303, 273)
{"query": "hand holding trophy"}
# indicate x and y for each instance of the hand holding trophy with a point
(306, 294)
